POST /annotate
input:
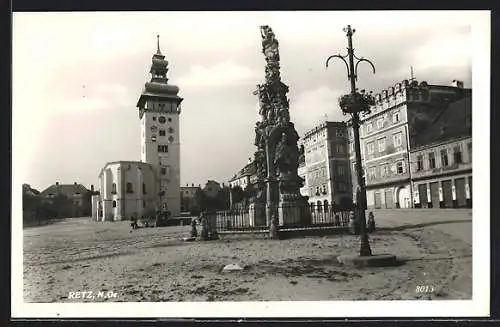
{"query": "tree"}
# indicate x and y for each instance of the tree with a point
(237, 194)
(200, 202)
(222, 199)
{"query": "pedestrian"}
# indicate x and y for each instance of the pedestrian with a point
(371, 222)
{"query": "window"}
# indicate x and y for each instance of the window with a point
(339, 133)
(144, 191)
(163, 148)
(114, 204)
(457, 154)
(381, 145)
(371, 147)
(161, 119)
(398, 139)
(444, 158)
(154, 118)
(369, 128)
(129, 188)
(324, 189)
(469, 151)
(372, 172)
(396, 117)
(340, 170)
(170, 130)
(113, 188)
(399, 167)
(380, 123)
(153, 138)
(169, 119)
(420, 163)
(162, 132)
(432, 160)
(163, 170)
(384, 171)
(340, 148)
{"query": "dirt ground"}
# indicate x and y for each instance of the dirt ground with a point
(154, 264)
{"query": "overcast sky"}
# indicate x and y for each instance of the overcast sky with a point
(77, 78)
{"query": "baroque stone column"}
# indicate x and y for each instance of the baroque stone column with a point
(277, 157)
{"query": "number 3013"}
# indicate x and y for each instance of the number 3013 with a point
(425, 289)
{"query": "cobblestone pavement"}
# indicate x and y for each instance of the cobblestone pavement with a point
(154, 264)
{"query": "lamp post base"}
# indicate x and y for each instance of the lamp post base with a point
(378, 260)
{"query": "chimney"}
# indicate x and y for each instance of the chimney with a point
(457, 83)
(57, 183)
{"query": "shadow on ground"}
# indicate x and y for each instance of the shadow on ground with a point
(415, 226)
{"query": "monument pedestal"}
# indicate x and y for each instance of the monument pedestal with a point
(289, 213)
(257, 214)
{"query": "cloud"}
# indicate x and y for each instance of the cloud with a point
(314, 106)
(220, 74)
(444, 50)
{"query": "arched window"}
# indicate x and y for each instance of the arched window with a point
(129, 188)
(113, 188)
(318, 205)
(325, 205)
(114, 204)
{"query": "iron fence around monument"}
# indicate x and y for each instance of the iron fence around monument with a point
(290, 217)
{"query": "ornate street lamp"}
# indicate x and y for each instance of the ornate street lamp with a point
(354, 104)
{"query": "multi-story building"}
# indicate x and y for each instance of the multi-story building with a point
(441, 160)
(400, 114)
(159, 168)
(246, 176)
(326, 165)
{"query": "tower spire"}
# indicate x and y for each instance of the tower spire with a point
(158, 44)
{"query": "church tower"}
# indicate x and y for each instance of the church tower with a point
(159, 111)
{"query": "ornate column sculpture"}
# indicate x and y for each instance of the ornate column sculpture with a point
(277, 155)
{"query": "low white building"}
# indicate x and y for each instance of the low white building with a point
(128, 189)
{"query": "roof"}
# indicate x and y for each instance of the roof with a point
(249, 170)
(65, 189)
(325, 124)
(140, 163)
(28, 190)
(453, 122)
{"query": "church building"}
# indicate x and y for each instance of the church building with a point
(138, 188)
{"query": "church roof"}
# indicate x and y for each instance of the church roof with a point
(123, 162)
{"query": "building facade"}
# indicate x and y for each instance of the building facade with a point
(77, 197)
(441, 161)
(158, 172)
(127, 189)
(389, 132)
(326, 167)
(188, 197)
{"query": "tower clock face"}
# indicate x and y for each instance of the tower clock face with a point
(162, 119)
